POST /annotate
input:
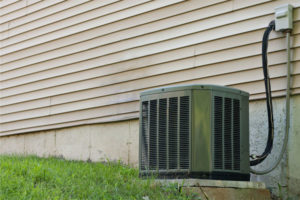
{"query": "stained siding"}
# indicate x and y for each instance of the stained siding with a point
(66, 63)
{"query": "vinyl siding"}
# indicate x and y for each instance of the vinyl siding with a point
(67, 63)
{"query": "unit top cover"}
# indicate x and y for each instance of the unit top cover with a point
(194, 87)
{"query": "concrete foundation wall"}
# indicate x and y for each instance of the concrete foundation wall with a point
(258, 123)
(285, 179)
(119, 141)
(99, 142)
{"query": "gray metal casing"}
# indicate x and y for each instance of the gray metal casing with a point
(207, 136)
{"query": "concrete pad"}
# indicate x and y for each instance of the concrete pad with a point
(213, 183)
(110, 142)
(219, 189)
(73, 143)
(41, 144)
(12, 145)
(213, 193)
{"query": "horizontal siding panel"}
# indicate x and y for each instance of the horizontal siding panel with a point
(166, 35)
(209, 2)
(60, 20)
(108, 67)
(29, 105)
(120, 117)
(277, 84)
(48, 15)
(94, 92)
(58, 76)
(89, 24)
(238, 4)
(203, 48)
(42, 27)
(74, 68)
(71, 107)
(135, 45)
(202, 59)
(173, 22)
(259, 96)
(158, 19)
(247, 63)
(6, 3)
(132, 53)
(215, 57)
(280, 93)
(14, 7)
(41, 14)
(295, 91)
(35, 5)
(255, 86)
(252, 76)
(73, 116)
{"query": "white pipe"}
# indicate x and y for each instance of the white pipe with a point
(287, 111)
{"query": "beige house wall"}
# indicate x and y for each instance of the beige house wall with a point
(70, 63)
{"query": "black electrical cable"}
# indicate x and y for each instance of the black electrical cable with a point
(258, 159)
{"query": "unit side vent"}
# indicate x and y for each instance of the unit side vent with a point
(236, 134)
(184, 132)
(173, 136)
(218, 139)
(226, 133)
(165, 129)
(145, 136)
(153, 135)
(162, 132)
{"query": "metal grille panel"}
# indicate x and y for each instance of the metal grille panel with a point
(236, 134)
(145, 136)
(184, 132)
(153, 135)
(226, 133)
(173, 135)
(162, 134)
(218, 140)
(165, 139)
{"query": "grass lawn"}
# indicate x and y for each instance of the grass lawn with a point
(53, 178)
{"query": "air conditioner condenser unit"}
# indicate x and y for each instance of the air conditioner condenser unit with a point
(194, 131)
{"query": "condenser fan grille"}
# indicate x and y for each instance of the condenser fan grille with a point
(166, 134)
(226, 133)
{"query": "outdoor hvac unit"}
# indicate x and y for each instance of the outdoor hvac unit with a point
(196, 131)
